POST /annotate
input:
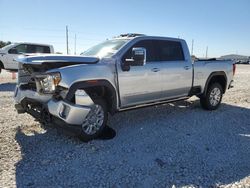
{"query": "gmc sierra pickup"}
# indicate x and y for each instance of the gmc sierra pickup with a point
(123, 73)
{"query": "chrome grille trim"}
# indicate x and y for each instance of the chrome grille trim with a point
(23, 76)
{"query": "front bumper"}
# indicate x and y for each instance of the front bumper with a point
(69, 113)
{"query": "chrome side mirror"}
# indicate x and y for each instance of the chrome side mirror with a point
(138, 57)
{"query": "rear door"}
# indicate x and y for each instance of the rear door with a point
(176, 72)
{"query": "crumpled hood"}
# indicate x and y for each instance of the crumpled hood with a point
(43, 63)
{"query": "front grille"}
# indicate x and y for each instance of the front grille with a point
(23, 76)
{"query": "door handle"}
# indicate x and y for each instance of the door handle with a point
(187, 67)
(155, 70)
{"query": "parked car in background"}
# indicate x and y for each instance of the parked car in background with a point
(246, 62)
(9, 53)
(127, 72)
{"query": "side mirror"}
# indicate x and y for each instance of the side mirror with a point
(138, 57)
(13, 51)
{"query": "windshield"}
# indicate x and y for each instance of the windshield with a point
(105, 49)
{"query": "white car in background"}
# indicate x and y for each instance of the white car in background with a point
(9, 53)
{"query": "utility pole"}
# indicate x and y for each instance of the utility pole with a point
(75, 44)
(192, 49)
(67, 39)
(206, 52)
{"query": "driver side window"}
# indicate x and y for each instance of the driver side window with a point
(22, 48)
(150, 50)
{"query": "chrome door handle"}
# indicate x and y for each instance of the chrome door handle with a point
(155, 70)
(187, 67)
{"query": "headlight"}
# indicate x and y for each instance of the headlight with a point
(48, 82)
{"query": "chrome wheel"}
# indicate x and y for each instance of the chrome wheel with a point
(215, 96)
(94, 120)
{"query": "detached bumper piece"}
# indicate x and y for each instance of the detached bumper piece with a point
(69, 113)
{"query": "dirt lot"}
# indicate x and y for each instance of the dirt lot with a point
(175, 144)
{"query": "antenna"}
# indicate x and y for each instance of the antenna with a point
(67, 39)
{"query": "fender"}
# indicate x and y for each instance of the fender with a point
(217, 73)
(91, 83)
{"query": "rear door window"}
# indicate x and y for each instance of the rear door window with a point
(169, 51)
(43, 49)
(38, 49)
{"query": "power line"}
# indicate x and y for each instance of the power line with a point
(192, 50)
(67, 40)
(206, 52)
(75, 44)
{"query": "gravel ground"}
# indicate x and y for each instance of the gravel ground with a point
(173, 145)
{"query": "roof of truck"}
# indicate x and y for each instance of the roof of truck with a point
(31, 43)
(138, 35)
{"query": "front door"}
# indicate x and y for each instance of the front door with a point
(141, 84)
(13, 53)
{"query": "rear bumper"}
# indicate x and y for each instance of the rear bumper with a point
(36, 104)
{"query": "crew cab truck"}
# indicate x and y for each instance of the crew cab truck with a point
(127, 72)
(9, 53)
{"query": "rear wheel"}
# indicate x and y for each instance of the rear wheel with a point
(212, 99)
(95, 121)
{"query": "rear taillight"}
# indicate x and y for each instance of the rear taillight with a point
(234, 69)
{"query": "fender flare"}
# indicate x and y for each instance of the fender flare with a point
(217, 73)
(92, 83)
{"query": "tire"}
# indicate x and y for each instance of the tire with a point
(213, 97)
(91, 128)
(1, 66)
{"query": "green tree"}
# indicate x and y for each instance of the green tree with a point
(2, 43)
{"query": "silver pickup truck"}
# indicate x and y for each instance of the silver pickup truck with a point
(123, 73)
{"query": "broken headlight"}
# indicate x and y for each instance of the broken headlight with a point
(48, 82)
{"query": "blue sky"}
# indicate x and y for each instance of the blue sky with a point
(222, 25)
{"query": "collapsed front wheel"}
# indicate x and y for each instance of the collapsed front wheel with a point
(212, 99)
(95, 121)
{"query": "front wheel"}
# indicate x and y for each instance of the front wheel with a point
(95, 121)
(212, 99)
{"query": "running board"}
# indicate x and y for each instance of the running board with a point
(152, 104)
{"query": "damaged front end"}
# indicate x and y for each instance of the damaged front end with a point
(40, 94)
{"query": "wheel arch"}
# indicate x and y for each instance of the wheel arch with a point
(102, 88)
(219, 77)
(1, 65)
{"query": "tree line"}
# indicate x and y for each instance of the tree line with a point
(2, 43)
